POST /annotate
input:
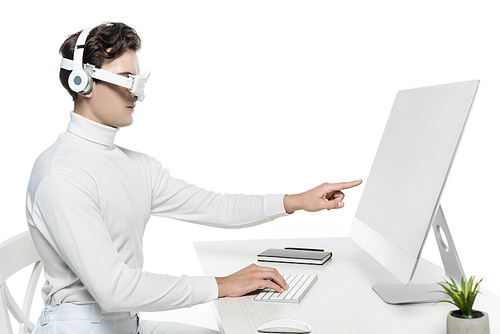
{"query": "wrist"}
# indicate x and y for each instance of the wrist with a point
(219, 287)
(291, 203)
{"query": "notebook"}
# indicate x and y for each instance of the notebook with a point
(294, 256)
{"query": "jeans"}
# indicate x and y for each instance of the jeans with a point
(69, 318)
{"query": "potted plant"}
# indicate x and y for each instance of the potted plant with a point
(465, 320)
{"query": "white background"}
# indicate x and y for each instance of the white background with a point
(266, 97)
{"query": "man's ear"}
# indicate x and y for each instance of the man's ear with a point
(87, 95)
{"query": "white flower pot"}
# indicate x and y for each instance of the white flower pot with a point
(477, 325)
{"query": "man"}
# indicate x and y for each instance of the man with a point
(89, 200)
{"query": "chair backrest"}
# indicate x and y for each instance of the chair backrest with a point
(17, 253)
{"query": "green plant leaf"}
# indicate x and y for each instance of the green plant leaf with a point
(463, 296)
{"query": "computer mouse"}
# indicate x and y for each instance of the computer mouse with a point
(284, 326)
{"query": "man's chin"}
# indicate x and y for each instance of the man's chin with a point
(124, 123)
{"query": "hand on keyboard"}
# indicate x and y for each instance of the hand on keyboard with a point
(299, 286)
(250, 279)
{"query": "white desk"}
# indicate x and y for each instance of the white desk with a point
(341, 301)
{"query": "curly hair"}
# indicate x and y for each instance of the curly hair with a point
(105, 42)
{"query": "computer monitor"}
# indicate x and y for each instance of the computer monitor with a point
(400, 201)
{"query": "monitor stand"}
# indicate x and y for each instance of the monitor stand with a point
(425, 293)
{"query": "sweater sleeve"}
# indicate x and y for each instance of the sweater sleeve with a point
(174, 198)
(66, 211)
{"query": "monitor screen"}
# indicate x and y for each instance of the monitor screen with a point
(402, 193)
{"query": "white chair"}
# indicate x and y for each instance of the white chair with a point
(17, 253)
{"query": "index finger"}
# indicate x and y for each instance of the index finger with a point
(346, 185)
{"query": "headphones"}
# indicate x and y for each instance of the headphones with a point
(80, 78)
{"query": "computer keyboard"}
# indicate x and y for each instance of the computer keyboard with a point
(299, 285)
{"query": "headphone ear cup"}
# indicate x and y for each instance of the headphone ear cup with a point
(89, 86)
(80, 81)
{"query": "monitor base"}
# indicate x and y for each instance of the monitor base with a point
(409, 294)
(425, 292)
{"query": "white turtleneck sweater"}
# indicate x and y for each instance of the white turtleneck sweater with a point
(88, 203)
